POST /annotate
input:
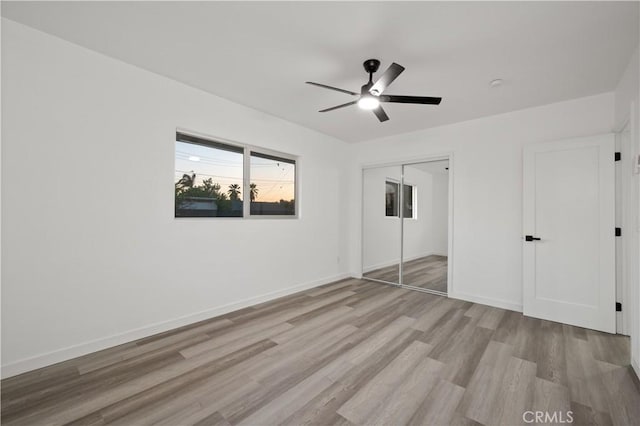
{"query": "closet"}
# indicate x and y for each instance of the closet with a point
(405, 224)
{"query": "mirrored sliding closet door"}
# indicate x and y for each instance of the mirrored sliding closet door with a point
(405, 225)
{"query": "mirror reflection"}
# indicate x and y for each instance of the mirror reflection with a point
(425, 225)
(381, 223)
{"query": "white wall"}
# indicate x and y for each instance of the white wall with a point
(92, 255)
(626, 91)
(440, 214)
(635, 336)
(627, 110)
(487, 187)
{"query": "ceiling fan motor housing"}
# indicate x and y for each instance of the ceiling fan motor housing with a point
(371, 65)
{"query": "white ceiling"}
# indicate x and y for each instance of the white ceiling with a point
(260, 54)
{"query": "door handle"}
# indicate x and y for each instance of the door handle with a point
(531, 238)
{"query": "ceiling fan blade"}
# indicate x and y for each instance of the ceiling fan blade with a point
(386, 79)
(379, 112)
(338, 106)
(411, 99)
(348, 92)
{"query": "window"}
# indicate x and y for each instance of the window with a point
(210, 180)
(407, 202)
(392, 200)
(272, 188)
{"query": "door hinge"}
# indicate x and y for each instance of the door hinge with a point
(618, 232)
(618, 156)
(618, 307)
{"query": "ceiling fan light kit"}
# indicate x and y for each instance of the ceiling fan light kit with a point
(368, 102)
(371, 94)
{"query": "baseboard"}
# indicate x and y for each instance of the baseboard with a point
(60, 355)
(395, 262)
(380, 265)
(636, 366)
(418, 256)
(496, 303)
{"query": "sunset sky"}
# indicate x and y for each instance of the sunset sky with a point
(274, 180)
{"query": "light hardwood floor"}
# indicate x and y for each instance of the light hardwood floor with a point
(428, 272)
(352, 352)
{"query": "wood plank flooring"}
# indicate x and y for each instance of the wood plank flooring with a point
(390, 274)
(348, 353)
(428, 272)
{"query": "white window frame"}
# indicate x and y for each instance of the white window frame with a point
(397, 182)
(246, 172)
(414, 202)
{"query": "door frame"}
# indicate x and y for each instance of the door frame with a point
(624, 183)
(450, 231)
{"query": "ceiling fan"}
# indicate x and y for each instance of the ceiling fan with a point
(371, 94)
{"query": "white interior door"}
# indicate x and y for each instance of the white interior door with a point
(569, 204)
